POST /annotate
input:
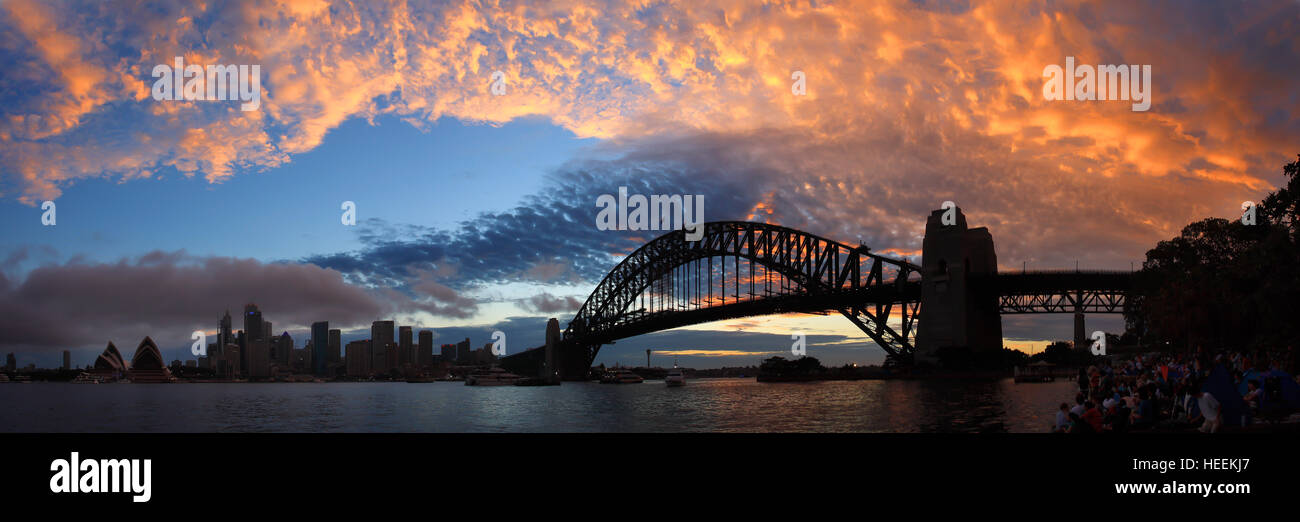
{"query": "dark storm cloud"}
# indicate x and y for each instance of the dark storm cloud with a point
(169, 295)
(552, 235)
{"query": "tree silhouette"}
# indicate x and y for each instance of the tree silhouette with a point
(1225, 284)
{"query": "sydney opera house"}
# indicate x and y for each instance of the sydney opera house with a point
(146, 365)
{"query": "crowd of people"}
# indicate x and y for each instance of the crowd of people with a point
(1185, 390)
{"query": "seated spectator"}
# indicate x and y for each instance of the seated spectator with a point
(1077, 425)
(1209, 411)
(1252, 396)
(1093, 416)
(1062, 419)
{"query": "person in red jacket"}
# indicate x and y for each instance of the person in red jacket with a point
(1092, 416)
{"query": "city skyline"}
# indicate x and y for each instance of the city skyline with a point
(476, 212)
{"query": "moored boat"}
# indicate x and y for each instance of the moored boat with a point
(491, 377)
(675, 377)
(86, 378)
(621, 377)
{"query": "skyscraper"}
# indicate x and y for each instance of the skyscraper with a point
(259, 358)
(67, 360)
(463, 356)
(231, 365)
(253, 322)
(252, 331)
(378, 357)
(242, 340)
(334, 346)
(357, 359)
(381, 333)
(320, 340)
(225, 334)
(425, 357)
(405, 347)
(391, 355)
(224, 337)
(284, 350)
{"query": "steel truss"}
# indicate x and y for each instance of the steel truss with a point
(816, 275)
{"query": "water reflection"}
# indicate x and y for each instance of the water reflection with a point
(703, 405)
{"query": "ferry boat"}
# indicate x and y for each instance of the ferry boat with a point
(621, 377)
(491, 377)
(675, 377)
(86, 378)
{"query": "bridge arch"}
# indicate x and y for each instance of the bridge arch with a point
(824, 275)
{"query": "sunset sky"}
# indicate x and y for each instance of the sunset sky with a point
(476, 212)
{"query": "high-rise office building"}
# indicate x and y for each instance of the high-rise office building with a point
(67, 360)
(448, 352)
(302, 359)
(381, 333)
(425, 351)
(390, 357)
(378, 357)
(259, 358)
(242, 340)
(252, 331)
(253, 322)
(462, 353)
(284, 350)
(225, 335)
(230, 367)
(405, 347)
(335, 340)
(357, 359)
(267, 333)
(320, 340)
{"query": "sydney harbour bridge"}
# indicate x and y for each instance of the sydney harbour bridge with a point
(954, 299)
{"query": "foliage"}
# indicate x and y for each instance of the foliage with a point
(781, 367)
(1225, 284)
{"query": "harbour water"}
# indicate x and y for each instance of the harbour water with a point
(703, 405)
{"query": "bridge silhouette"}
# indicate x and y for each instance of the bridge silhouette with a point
(741, 269)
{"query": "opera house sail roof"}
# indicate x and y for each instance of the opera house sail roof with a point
(110, 362)
(147, 364)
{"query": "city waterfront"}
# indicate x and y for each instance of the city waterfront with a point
(703, 405)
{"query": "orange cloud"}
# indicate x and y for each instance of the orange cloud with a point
(905, 106)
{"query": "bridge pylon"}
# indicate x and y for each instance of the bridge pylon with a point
(955, 312)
